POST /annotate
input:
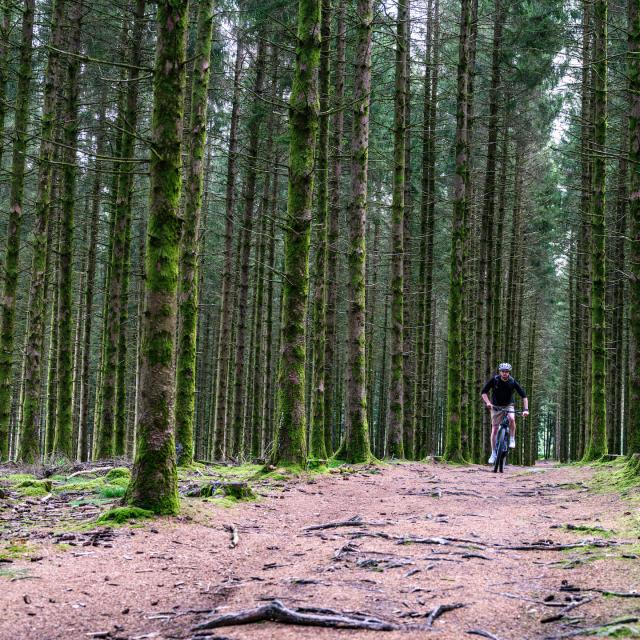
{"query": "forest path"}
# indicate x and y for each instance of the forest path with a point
(147, 584)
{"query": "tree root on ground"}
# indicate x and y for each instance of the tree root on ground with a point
(276, 611)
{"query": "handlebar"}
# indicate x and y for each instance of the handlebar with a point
(505, 410)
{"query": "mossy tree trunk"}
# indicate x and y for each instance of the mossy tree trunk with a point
(154, 478)
(634, 232)
(355, 445)
(96, 200)
(63, 441)
(333, 232)
(189, 276)
(597, 445)
(5, 23)
(290, 446)
(249, 194)
(395, 439)
(453, 448)
(317, 442)
(226, 295)
(110, 438)
(8, 301)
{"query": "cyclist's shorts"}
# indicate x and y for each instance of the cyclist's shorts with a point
(496, 415)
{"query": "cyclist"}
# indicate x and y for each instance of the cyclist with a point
(502, 386)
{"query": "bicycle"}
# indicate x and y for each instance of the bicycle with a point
(502, 440)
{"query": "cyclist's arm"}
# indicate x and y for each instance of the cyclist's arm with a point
(485, 399)
(523, 395)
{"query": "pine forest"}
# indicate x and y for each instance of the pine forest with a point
(248, 247)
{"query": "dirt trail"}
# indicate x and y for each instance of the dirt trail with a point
(154, 581)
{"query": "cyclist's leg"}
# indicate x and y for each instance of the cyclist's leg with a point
(512, 421)
(496, 416)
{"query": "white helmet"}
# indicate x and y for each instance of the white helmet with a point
(504, 366)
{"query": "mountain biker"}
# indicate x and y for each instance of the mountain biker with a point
(503, 385)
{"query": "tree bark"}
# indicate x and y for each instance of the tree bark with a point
(453, 449)
(597, 446)
(12, 253)
(395, 439)
(188, 294)
(355, 445)
(154, 481)
(290, 445)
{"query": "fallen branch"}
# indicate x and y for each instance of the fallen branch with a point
(617, 594)
(356, 521)
(85, 472)
(276, 611)
(440, 609)
(547, 545)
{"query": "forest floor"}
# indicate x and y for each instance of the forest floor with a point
(544, 552)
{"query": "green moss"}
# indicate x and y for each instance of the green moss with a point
(118, 472)
(34, 487)
(16, 478)
(121, 515)
(591, 529)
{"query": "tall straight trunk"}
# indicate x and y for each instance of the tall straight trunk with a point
(226, 296)
(269, 324)
(249, 194)
(372, 310)
(8, 300)
(429, 316)
(618, 298)
(488, 289)
(317, 441)
(409, 307)
(111, 423)
(333, 232)
(290, 445)
(63, 441)
(154, 480)
(188, 293)
(96, 200)
(583, 381)
(5, 46)
(380, 439)
(29, 444)
(426, 227)
(355, 446)
(453, 449)
(395, 440)
(597, 445)
(633, 62)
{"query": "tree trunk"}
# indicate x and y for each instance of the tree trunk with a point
(188, 295)
(63, 441)
(333, 233)
(247, 226)
(395, 444)
(8, 300)
(290, 445)
(226, 296)
(355, 445)
(634, 234)
(597, 446)
(88, 293)
(453, 450)
(317, 441)
(154, 478)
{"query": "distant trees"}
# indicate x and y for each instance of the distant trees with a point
(335, 279)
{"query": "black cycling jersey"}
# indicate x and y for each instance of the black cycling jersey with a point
(502, 394)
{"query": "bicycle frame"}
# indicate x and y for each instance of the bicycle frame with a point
(502, 439)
